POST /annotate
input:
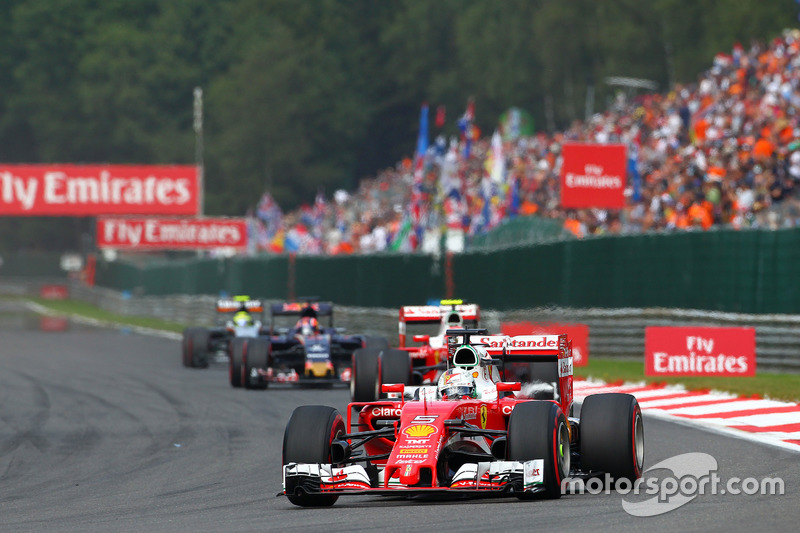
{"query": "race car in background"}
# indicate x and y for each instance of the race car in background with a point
(471, 434)
(306, 352)
(238, 318)
(417, 364)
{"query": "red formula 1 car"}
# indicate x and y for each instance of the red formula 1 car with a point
(411, 364)
(472, 433)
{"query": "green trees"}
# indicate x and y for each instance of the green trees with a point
(302, 96)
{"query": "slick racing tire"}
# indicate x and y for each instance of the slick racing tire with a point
(538, 430)
(237, 348)
(199, 348)
(309, 433)
(395, 367)
(365, 385)
(255, 357)
(376, 342)
(612, 436)
(186, 347)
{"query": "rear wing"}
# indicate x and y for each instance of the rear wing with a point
(432, 314)
(556, 349)
(297, 308)
(523, 348)
(227, 305)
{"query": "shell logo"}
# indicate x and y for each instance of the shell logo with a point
(419, 430)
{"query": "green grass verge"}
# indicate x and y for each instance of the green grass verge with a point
(776, 386)
(74, 307)
(772, 385)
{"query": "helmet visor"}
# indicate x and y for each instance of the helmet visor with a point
(457, 391)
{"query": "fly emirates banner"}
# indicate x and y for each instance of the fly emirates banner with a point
(699, 351)
(171, 233)
(91, 190)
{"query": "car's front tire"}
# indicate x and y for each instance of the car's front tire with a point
(612, 435)
(255, 357)
(538, 430)
(199, 348)
(309, 433)
(236, 347)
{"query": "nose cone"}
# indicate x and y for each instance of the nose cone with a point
(409, 475)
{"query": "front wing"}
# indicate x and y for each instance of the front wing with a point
(476, 478)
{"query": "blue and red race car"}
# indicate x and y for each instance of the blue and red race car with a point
(306, 352)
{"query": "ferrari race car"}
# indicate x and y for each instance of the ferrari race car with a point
(472, 433)
(238, 318)
(306, 352)
(415, 364)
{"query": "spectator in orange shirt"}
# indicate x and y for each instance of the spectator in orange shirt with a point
(763, 149)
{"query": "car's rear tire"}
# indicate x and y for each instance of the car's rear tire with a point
(254, 358)
(309, 433)
(539, 430)
(395, 367)
(199, 348)
(186, 344)
(612, 435)
(365, 375)
(237, 348)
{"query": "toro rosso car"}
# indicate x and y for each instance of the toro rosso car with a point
(471, 434)
(238, 318)
(307, 352)
(417, 364)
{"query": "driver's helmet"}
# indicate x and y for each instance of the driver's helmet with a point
(242, 318)
(308, 325)
(457, 383)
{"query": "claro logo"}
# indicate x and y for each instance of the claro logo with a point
(386, 412)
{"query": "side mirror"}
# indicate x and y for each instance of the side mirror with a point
(505, 386)
(393, 387)
(421, 338)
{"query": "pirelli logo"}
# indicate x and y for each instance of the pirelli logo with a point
(412, 450)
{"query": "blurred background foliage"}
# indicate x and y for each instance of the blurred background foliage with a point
(316, 95)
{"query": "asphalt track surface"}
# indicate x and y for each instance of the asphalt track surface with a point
(104, 430)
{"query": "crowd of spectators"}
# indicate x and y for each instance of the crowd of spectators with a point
(721, 152)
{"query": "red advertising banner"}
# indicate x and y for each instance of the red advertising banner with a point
(54, 292)
(593, 175)
(171, 233)
(577, 333)
(91, 190)
(699, 351)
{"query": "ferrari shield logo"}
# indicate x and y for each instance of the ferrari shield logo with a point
(484, 416)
